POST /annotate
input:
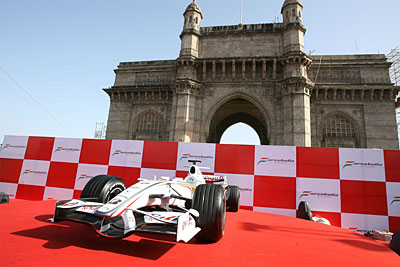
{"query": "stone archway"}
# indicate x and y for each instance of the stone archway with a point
(237, 109)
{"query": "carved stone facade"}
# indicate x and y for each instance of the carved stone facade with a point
(258, 74)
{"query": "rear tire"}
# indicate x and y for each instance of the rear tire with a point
(232, 204)
(304, 211)
(209, 201)
(3, 198)
(103, 188)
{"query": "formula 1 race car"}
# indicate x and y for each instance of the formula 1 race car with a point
(194, 206)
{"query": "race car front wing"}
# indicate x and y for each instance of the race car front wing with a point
(182, 224)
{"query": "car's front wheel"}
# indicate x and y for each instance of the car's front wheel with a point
(103, 188)
(209, 201)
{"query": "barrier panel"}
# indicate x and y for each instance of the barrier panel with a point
(357, 189)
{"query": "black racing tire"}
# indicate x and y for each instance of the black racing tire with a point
(4, 198)
(304, 211)
(232, 203)
(103, 188)
(395, 243)
(209, 201)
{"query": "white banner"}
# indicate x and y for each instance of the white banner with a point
(51, 193)
(246, 185)
(195, 151)
(393, 198)
(9, 188)
(126, 153)
(361, 223)
(321, 194)
(14, 147)
(275, 161)
(361, 164)
(67, 150)
(34, 172)
(86, 172)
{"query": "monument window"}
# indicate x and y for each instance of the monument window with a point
(339, 131)
(148, 127)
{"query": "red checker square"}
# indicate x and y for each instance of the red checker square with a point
(10, 169)
(394, 224)
(316, 162)
(39, 148)
(238, 159)
(334, 218)
(62, 175)
(181, 174)
(95, 151)
(30, 192)
(275, 192)
(392, 165)
(77, 194)
(246, 208)
(128, 174)
(363, 197)
(159, 155)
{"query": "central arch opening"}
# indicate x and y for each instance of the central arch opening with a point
(234, 111)
(240, 133)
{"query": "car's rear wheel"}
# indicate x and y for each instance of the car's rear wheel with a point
(209, 201)
(103, 188)
(232, 203)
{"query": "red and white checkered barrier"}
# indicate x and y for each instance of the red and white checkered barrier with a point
(358, 189)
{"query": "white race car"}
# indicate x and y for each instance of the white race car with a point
(194, 206)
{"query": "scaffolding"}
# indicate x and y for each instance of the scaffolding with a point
(394, 58)
(100, 130)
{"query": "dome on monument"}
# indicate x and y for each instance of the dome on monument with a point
(287, 2)
(193, 7)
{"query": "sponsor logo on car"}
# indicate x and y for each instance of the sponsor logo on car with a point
(89, 208)
(157, 216)
(69, 204)
(324, 195)
(395, 199)
(352, 163)
(121, 152)
(187, 223)
(66, 149)
(280, 161)
(34, 172)
(355, 229)
(190, 156)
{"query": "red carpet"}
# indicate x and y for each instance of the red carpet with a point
(251, 239)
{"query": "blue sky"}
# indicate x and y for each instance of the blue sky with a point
(63, 52)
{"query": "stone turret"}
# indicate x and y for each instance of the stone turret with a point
(293, 37)
(295, 87)
(186, 86)
(191, 31)
(292, 12)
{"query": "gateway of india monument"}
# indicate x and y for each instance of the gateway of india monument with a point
(258, 74)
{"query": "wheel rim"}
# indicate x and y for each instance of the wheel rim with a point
(113, 193)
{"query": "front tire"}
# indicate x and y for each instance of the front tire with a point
(209, 201)
(103, 188)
